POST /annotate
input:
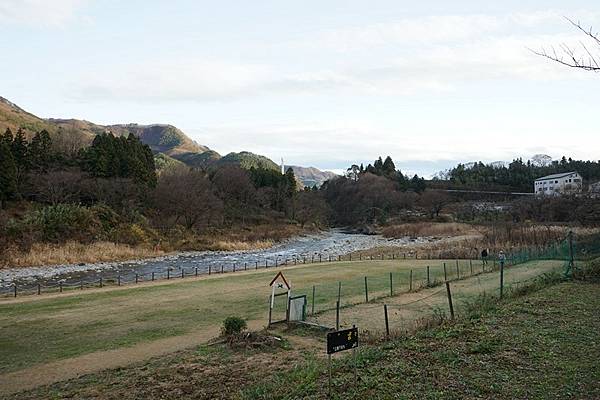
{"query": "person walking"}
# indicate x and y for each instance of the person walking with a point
(501, 258)
(484, 256)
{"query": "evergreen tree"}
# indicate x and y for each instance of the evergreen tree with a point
(290, 182)
(8, 174)
(388, 167)
(378, 166)
(40, 151)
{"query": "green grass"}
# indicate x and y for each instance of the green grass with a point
(542, 346)
(42, 330)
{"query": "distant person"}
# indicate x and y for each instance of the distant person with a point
(501, 258)
(484, 256)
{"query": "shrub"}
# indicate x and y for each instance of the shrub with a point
(590, 271)
(233, 325)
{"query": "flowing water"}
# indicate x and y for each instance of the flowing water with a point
(300, 249)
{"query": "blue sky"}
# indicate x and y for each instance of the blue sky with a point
(319, 83)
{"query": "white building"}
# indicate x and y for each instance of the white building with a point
(568, 182)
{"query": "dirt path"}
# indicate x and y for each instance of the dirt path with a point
(57, 371)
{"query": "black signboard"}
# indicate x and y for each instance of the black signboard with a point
(342, 340)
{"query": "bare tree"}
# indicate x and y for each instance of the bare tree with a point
(434, 202)
(584, 56)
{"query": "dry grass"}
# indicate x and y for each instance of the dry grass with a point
(422, 229)
(228, 245)
(73, 252)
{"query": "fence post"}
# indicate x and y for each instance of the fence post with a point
(337, 316)
(428, 280)
(233, 267)
(276, 262)
(60, 287)
(101, 280)
(366, 291)
(209, 269)
(445, 273)
(313, 302)
(450, 300)
(387, 324)
(245, 266)
(319, 257)
(339, 291)
(15, 287)
(119, 280)
(80, 285)
(350, 256)
(182, 272)
(410, 284)
(501, 278)
(196, 271)
(457, 270)
(136, 278)
(168, 273)
(391, 285)
(266, 263)
(152, 276)
(471, 265)
(39, 289)
(222, 269)
(360, 257)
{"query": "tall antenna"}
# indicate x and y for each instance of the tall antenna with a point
(282, 167)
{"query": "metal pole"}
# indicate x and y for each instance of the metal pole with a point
(501, 278)
(450, 300)
(391, 285)
(313, 302)
(337, 316)
(366, 291)
(445, 273)
(387, 324)
(339, 291)
(457, 270)
(410, 284)
(428, 281)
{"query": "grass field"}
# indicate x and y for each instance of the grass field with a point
(543, 345)
(40, 330)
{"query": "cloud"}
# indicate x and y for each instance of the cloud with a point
(429, 54)
(39, 12)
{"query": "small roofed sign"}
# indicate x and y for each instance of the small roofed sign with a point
(279, 282)
(346, 339)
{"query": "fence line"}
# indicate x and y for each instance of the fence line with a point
(316, 258)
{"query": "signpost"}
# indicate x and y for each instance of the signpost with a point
(346, 339)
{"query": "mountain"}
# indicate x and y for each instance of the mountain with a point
(311, 176)
(541, 160)
(171, 143)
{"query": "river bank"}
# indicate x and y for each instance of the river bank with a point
(305, 247)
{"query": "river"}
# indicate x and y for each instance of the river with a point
(299, 249)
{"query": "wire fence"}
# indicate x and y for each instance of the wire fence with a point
(377, 284)
(407, 297)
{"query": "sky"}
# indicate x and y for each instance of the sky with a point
(321, 83)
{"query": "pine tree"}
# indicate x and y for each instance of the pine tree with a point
(8, 174)
(388, 167)
(290, 181)
(40, 151)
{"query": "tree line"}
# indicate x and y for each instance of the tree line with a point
(519, 175)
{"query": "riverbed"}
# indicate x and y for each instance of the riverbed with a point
(301, 249)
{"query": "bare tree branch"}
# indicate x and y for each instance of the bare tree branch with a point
(571, 57)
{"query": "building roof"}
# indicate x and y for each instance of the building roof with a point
(555, 176)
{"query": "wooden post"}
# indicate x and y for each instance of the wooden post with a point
(450, 300)
(360, 257)
(445, 273)
(319, 257)
(136, 278)
(313, 302)
(59, 287)
(222, 268)
(101, 279)
(168, 273)
(387, 324)
(337, 316)
(119, 280)
(256, 264)
(366, 291)
(39, 289)
(350, 256)
(457, 270)
(233, 267)
(15, 289)
(391, 285)
(245, 266)
(266, 263)
(471, 265)
(339, 291)
(428, 280)
(276, 261)
(410, 284)
(196, 271)
(209, 269)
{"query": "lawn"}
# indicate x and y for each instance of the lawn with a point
(40, 330)
(543, 345)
